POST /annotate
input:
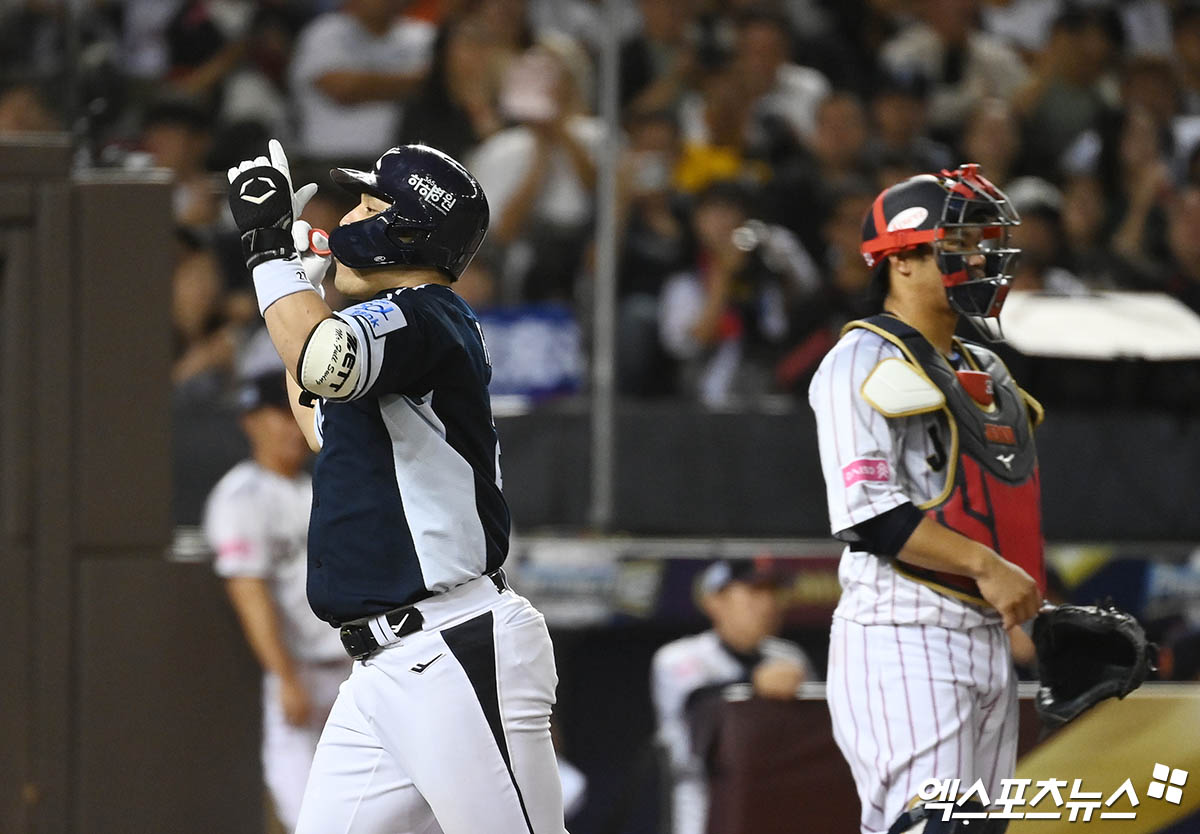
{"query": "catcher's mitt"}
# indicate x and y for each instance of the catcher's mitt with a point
(1086, 653)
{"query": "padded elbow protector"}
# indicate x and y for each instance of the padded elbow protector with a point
(329, 362)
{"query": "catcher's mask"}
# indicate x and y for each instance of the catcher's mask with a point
(967, 221)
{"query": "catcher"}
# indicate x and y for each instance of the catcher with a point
(931, 471)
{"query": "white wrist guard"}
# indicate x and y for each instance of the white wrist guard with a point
(329, 365)
(276, 278)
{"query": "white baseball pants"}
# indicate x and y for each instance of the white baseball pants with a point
(917, 702)
(447, 730)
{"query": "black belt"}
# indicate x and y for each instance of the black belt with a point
(360, 643)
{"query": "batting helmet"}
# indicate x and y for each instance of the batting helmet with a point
(437, 218)
(964, 219)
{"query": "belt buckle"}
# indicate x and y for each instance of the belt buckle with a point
(358, 642)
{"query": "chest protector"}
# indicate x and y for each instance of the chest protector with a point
(992, 492)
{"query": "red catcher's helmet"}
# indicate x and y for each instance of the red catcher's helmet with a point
(925, 209)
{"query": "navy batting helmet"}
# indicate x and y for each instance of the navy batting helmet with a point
(964, 219)
(438, 214)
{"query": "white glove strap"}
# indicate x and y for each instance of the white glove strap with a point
(275, 279)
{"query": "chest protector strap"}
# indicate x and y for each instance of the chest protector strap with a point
(992, 490)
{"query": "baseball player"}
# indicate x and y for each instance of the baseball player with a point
(927, 450)
(444, 722)
(256, 522)
(741, 600)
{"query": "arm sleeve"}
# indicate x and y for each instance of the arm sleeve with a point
(858, 456)
(234, 529)
(886, 533)
(393, 345)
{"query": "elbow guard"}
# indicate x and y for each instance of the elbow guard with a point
(329, 362)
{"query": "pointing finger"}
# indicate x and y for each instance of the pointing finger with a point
(278, 157)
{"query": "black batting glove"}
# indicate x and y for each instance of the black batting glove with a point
(264, 206)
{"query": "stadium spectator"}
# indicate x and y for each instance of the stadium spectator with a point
(256, 90)
(177, 134)
(350, 71)
(654, 238)
(727, 319)
(583, 21)
(539, 175)
(1039, 237)
(844, 293)
(655, 244)
(658, 63)
(457, 105)
(1071, 86)
(1083, 219)
(1149, 81)
(992, 138)
(716, 125)
(962, 63)
(205, 339)
(508, 21)
(835, 157)
(785, 94)
(899, 118)
(201, 52)
(1134, 162)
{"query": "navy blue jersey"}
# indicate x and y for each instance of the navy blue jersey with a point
(406, 489)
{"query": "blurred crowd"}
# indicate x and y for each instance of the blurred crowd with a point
(754, 136)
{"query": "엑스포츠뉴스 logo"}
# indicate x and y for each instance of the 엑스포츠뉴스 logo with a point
(1168, 783)
(1054, 799)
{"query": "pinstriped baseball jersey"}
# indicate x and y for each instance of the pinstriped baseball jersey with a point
(873, 464)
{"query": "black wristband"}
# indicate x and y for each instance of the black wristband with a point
(261, 245)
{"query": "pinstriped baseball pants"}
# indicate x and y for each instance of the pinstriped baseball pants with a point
(915, 702)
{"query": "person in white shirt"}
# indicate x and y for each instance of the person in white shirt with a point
(349, 73)
(740, 598)
(256, 522)
(540, 174)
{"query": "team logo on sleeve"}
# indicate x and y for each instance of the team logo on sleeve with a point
(866, 469)
(381, 316)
